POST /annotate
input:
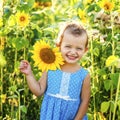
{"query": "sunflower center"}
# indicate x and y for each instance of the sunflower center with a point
(22, 18)
(47, 55)
(106, 6)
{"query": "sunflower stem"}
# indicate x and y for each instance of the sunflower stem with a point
(24, 75)
(113, 67)
(116, 98)
(1, 68)
(15, 62)
(1, 106)
(92, 62)
(19, 102)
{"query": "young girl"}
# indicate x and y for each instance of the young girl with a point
(66, 91)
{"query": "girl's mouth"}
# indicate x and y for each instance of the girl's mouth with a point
(71, 57)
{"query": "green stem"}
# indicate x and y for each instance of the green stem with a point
(12, 110)
(1, 69)
(24, 75)
(116, 98)
(113, 68)
(19, 106)
(1, 108)
(15, 60)
(92, 62)
(19, 102)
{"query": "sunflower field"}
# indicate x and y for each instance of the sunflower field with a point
(24, 22)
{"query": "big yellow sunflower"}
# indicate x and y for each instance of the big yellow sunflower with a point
(22, 19)
(46, 57)
(107, 5)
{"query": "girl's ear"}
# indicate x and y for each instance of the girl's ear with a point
(86, 49)
(57, 45)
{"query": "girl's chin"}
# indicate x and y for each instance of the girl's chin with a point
(70, 60)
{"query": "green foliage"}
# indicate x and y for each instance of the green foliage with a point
(45, 17)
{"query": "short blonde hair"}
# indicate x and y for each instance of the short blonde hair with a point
(73, 28)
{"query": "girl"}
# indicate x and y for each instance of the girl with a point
(66, 91)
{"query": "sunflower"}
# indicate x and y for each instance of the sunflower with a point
(42, 4)
(37, 4)
(46, 57)
(111, 60)
(82, 15)
(107, 5)
(22, 19)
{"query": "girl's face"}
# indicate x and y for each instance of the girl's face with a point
(73, 47)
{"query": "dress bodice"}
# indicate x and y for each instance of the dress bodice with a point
(65, 84)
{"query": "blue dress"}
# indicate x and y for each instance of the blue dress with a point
(62, 98)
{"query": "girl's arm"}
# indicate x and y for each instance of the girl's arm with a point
(85, 97)
(37, 87)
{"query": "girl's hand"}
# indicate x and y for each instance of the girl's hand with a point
(25, 67)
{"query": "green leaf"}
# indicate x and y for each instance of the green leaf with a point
(104, 106)
(94, 90)
(2, 60)
(13, 88)
(107, 84)
(91, 8)
(26, 6)
(30, 3)
(112, 105)
(101, 71)
(13, 96)
(23, 108)
(19, 43)
(114, 77)
(96, 52)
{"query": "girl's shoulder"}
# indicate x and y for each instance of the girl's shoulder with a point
(84, 70)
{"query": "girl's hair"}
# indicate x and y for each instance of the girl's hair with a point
(73, 28)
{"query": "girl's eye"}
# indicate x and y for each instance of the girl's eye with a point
(67, 46)
(79, 48)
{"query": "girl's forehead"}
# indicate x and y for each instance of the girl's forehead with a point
(69, 38)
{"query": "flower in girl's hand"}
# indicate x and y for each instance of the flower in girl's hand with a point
(45, 57)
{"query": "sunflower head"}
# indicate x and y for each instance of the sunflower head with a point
(111, 60)
(46, 57)
(41, 4)
(82, 15)
(22, 19)
(107, 5)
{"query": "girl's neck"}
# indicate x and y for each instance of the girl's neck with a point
(70, 67)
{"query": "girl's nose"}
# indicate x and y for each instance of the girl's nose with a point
(73, 51)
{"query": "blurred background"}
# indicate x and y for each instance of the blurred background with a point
(23, 22)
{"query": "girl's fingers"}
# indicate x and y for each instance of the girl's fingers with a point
(23, 64)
